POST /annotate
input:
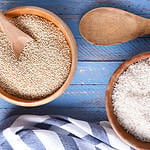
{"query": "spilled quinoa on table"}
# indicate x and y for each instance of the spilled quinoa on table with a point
(44, 63)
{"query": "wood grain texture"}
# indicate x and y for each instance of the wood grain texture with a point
(94, 72)
(85, 98)
(89, 114)
(112, 53)
(80, 7)
(75, 96)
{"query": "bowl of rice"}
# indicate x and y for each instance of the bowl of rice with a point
(128, 101)
(46, 65)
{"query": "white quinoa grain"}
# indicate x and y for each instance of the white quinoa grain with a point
(131, 100)
(44, 63)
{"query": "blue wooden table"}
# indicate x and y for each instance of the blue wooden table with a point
(85, 97)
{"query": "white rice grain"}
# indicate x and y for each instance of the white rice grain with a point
(131, 100)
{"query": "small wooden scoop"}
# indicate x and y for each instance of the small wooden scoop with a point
(17, 38)
(108, 26)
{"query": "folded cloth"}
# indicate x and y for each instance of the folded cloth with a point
(32, 132)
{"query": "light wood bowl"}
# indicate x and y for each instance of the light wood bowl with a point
(126, 137)
(71, 41)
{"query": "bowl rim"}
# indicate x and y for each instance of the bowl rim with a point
(120, 131)
(71, 41)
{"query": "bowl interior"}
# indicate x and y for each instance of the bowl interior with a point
(70, 39)
(130, 139)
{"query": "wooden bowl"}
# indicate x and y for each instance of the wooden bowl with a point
(71, 41)
(126, 137)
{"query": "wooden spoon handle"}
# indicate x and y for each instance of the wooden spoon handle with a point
(147, 27)
(3, 22)
(17, 38)
(7, 28)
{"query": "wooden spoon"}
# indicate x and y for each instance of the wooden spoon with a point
(108, 26)
(17, 38)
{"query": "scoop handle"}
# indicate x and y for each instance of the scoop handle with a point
(147, 26)
(6, 27)
(17, 38)
(10, 31)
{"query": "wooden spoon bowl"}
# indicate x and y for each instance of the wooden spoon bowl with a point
(128, 138)
(109, 26)
(71, 41)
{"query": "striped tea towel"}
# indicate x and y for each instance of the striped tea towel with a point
(32, 132)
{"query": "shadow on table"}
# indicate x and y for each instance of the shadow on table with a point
(88, 114)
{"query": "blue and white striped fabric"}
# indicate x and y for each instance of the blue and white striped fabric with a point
(32, 132)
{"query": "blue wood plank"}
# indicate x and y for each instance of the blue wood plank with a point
(89, 114)
(94, 72)
(75, 96)
(116, 52)
(85, 98)
(80, 7)
(82, 95)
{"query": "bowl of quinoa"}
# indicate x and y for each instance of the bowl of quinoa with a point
(46, 65)
(128, 101)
